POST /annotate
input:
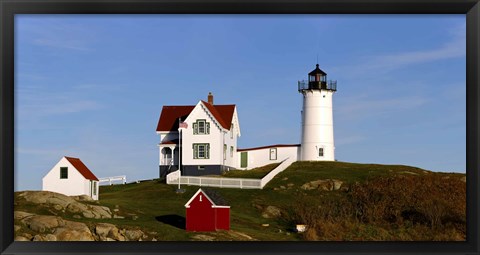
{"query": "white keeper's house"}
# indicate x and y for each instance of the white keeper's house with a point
(71, 177)
(201, 139)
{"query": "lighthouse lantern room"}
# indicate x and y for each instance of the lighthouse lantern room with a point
(317, 142)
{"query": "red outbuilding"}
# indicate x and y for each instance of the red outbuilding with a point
(207, 211)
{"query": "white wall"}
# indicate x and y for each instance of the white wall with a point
(317, 125)
(215, 139)
(74, 185)
(261, 157)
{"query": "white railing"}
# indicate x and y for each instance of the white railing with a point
(241, 183)
(173, 176)
(122, 178)
(267, 178)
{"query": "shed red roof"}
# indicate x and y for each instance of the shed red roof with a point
(170, 114)
(215, 199)
(82, 168)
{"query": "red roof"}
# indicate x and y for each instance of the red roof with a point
(169, 117)
(170, 114)
(82, 168)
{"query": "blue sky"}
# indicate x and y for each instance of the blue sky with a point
(92, 86)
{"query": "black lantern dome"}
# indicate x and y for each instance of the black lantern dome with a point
(317, 80)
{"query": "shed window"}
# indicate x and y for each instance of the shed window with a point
(63, 172)
(231, 132)
(320, 152)
(231, 151)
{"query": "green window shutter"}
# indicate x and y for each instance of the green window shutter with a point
(195, 151)
(207, 128)
(207, 150)
(195, 128)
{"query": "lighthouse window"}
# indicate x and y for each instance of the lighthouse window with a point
(201, 127)
(320, 152)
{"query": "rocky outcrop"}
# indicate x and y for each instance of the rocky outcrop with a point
(327, 185)
(54, 228)
(60, 224)
(271, 212)
(66, 204)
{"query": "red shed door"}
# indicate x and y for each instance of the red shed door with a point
(200, 215)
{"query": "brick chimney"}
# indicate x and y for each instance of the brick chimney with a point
(210, 98)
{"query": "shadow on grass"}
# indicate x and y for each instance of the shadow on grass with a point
(173, 220)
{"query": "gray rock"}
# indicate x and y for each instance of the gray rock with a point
(82, 198)
(271, 212)
(19, 215)
(116, 235)
(43, 223)
(102, 229)
(337, 184)
(88, 214)
(133, 235)
(21, 238)
(73, 231)
(327, 185)
(48, 237)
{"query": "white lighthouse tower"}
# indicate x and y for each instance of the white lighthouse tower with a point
(317, 117)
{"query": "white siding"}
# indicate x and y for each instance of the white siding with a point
(261, 157)
(74, 185)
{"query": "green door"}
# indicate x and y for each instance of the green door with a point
(244, 159)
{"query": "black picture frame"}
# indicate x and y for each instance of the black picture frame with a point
(9, 8)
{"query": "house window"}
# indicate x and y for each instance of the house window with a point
(231, 132)
(201, 150)
(224, 151)
(201, 127)
(201, 167)
(273, 154)
(231, 151)
(63, 172)
(320, 152)
(94, 188)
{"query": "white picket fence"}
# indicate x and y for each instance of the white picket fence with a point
(239, 183)
(110, 180)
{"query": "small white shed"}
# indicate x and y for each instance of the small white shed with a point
(72, 178)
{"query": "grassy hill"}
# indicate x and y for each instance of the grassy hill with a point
(372, 202)
(337, 200)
